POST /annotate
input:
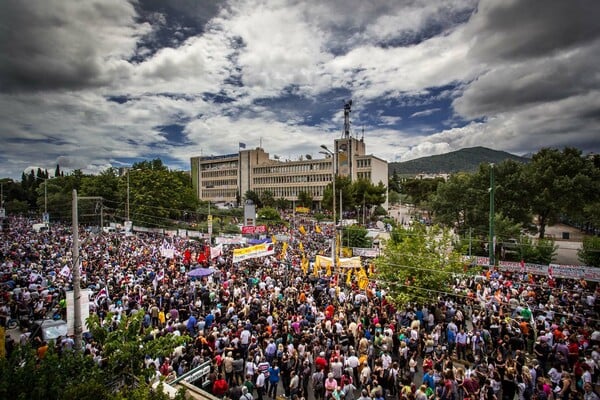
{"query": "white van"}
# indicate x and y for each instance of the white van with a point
(40, 227)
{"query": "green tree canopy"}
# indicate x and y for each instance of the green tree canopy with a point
(559, 183)
(417, 263)
(589, 254)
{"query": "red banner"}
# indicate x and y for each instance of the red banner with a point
(248, 230)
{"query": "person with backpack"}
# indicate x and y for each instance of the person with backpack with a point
(318, 384)
(449, 390)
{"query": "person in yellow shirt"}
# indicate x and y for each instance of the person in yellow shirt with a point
(162, 318)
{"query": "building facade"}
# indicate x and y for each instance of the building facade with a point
(226, 178)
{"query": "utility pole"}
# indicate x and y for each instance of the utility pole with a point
(470, 241)
(77, 327)
(492, 240)
(128, 195)
(77, 322)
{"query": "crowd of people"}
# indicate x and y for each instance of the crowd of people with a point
(269, 328)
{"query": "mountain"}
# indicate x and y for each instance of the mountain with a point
(463, 160)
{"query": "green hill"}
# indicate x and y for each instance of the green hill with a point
(463, 160)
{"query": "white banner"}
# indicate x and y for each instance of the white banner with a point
(260, 250)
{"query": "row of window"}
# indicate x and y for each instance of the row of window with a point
(219, 182)
(218, 173)
(364, 175)
(226, 194)
(363, 163)
(274, 180)
(224, 165)
(286, 169)
(292, 192)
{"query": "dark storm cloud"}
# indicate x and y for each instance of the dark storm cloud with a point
(61, 45)
(519, 29)
(534, 53)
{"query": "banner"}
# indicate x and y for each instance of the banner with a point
(230, 240)
(250, 229)
(260, 250)
(365, 252)
(302, 210)
(353, 262)
(555, 270)
(216, 251)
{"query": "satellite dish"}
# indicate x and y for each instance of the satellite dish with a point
(380, 225)
(308, 157)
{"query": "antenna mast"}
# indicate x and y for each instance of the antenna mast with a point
(347, 110)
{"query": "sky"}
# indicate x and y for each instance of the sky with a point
(96, 84)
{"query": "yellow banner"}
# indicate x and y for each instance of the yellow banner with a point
(302, 230)
(352, 262)
(260, 250)
(302, 210)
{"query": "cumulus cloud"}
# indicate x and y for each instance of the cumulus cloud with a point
(64, 45)
(92, 84)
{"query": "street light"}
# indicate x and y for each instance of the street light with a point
(333, 174)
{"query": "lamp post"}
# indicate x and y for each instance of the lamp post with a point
(333, 175)
(492, 241)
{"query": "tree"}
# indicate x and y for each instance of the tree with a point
(125, 348)
(282, 204)
(559, 183)
(394, 182)
(343, 185)
(157, 196)
(589, 254)
(268, 214)
(254, 197)
(305, 199)
(356, 236)
(417, 263)
(420, 190)
(367, 194)
(75, 375)
(267, 199)
(394, 197)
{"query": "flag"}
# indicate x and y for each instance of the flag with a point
(216, 251)
(167, 250)
(522, 266)
(302, 230)
(301, 246)
(284, 250)
(101, 296)
(187, 256)
(550, 272)
(160, 276)
(304, 264)
(65, 271)
(317, 229)
(242, 145)
(349, 277)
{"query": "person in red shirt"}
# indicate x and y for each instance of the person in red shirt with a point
(220, 387)
(329, 311)
(321, 362)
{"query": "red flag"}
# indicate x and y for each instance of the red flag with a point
(187, 256)
(522, 266)
(201, 259)
(550, 272)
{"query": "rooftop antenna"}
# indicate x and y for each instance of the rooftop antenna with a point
(363, 134)
(347, 110)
